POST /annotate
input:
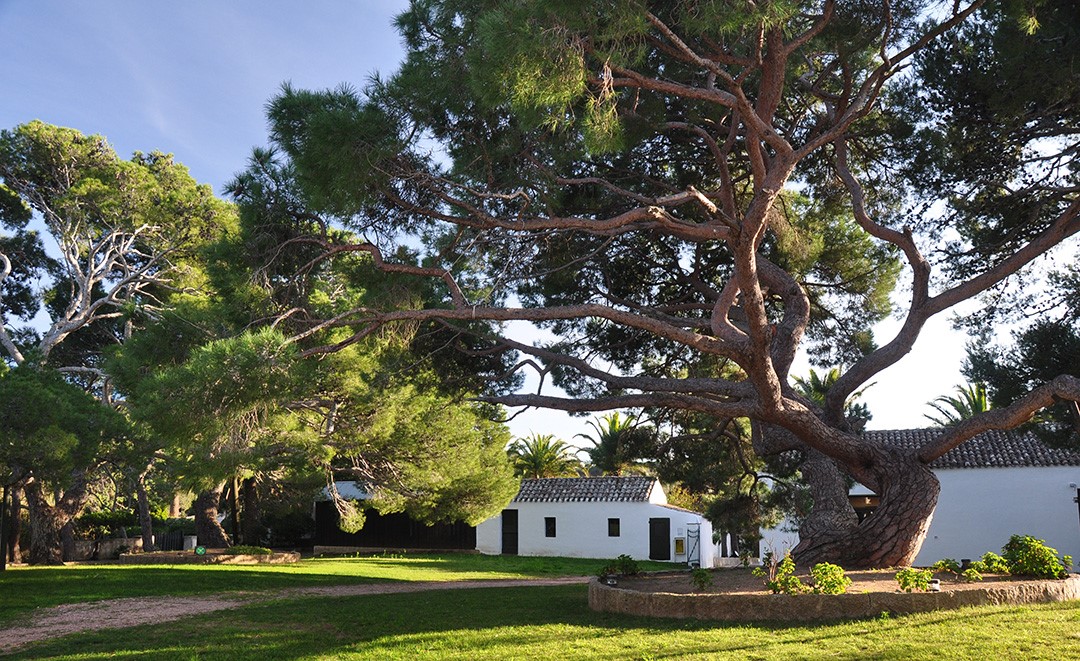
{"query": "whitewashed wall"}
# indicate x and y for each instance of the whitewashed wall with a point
(581, 530)
(980, 508)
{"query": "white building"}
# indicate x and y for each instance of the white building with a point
(998, 484)
(597, 517)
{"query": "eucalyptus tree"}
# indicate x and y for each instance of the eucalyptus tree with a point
(686, 194)
(118, 236)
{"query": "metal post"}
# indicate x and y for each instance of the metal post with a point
(3, 529)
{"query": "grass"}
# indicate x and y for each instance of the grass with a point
(504, 623)
(23, 589)
(555, 622)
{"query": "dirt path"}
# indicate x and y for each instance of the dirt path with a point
(62, 620)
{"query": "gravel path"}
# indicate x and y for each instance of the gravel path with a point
(67, 619)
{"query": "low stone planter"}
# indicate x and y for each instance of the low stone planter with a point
(212, 557)
(817, 607)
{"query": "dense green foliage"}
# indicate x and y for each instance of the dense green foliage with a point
(686, 195)
(1027, 556)
(120, 237)
(543, 455)
(970, 400)
(914, 580)
(52, 427)
(619, 444)
(829, 579)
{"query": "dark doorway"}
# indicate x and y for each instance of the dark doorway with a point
(659, 539)
(510, 532)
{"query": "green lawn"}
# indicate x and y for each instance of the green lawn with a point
(555, 623)
(535, 623)
(25, 588)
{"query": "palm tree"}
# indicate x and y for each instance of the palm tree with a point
(620, 445)
(543, 455)
(970, 400)
(815, 387)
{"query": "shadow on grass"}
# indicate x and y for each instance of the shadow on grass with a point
(555, 622)
(26, 589)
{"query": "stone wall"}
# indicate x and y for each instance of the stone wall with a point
(815, 607)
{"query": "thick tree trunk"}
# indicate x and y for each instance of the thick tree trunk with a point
(892, 535)
(251, 525)
(15, 525)
(175, 510)
(67, 540)
(832, 513)
(207, 528)
(234, 511)
(47, 521)
(146, 522)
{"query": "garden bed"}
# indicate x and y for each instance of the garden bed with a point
(735, 595)
(212, 557)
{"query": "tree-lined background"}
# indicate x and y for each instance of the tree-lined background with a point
(687, 198)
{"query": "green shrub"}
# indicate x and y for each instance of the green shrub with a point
(242, 549)
(910, 579)
(993, 564)
(1027, 556)
(779, 576)
(623, 565)
(829, 579)
(701, 579)
(946, 565)
(971, 574)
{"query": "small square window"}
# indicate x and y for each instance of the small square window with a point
(549, 526)
(612, 527)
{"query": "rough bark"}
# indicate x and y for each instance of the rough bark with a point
(251, 527)
(14, 524)
(207, 528)
(67, 540)
(146, 522)
(892, 535)
(47, 520)
(175, 510)
(234, 512)
(832, 512)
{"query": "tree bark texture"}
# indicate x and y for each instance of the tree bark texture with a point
(47, 520)
(234, 511)
(207, 528)
(175, 509)
(14, 523)
(67, 540)
(146, 522)
(251, 528)
(891, 536)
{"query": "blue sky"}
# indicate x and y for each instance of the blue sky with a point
(192, 77)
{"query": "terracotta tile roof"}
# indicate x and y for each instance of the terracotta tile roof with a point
(630, 489)
(992, 449)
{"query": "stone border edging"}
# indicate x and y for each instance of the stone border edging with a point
(816, 607)
(189, 558)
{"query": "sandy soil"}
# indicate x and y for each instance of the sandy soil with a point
(67, 619)
(740, 581)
